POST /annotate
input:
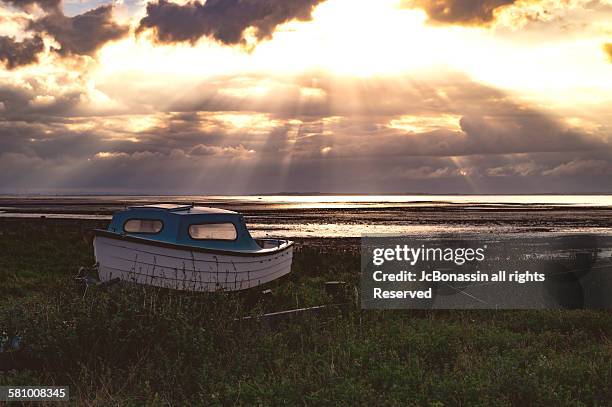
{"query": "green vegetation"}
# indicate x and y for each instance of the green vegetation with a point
(132, 345)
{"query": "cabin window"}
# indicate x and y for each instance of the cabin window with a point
(213, 231)
(143, 226)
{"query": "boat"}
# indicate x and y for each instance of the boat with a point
(188, 247)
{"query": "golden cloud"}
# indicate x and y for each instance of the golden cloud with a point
(607, 47)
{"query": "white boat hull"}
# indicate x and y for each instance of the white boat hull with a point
(184, 269)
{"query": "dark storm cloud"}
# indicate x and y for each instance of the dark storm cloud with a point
(53, 138)
(491, 123)
(17, 53)
(83, 34)
(47, 5)
(479, 136)
(607, 47)
(342, 143)
(13, 100)
(223, 20)
(182, 173)
(186, 139)
(578, 167)
(459, 11)
(522, 131)
(47, 142)
(24, 104)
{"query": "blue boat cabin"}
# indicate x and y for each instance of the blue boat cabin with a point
(185, 225)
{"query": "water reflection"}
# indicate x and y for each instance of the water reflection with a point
(354, 215)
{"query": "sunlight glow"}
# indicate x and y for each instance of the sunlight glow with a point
(109, 154)
(346, 36)
(239, 121)
(422, 124)
(138, 124)
(363, 38)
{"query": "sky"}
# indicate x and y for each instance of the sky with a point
(328, 96)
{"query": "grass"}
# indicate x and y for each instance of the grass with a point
(132, 345)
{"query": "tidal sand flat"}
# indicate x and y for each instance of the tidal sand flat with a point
(351, 216)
